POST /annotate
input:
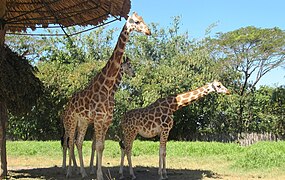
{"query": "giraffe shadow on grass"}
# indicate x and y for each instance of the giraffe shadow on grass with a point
(111, 173)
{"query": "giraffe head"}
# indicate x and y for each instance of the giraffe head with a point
(136, 23)
(218, 87)
(127, 67)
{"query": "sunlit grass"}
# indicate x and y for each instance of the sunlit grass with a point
(227, 158)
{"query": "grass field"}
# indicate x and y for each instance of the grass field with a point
(199, 160)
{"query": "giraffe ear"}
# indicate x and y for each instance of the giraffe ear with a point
(131, 21)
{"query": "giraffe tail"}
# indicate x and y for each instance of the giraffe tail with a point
(121, 143)
(62, 139)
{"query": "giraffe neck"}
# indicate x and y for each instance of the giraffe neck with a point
(187, 98)
(117, 82)
(113, 66)
(108, 75)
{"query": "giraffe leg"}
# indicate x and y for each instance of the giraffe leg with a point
(161, 150)
(71, 153)
(74, 162)
(92, 169)
(64, 151)
(129, 157)
(101, 128)
(82, 128)
(128, 140)
(164, 164)
(99, 153)
(162, 155)
(122, 164)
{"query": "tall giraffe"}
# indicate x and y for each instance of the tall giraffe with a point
(92, 104)
(156, 119)
(126, 68)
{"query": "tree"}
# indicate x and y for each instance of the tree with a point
(278, 106)
(248, 54)
(19, 90)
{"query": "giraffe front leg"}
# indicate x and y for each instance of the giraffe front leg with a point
(164, 173)
(99, 155)
(122, 164)
(100, 137)
(160, 163)
(162, 155)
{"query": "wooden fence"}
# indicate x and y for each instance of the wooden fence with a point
(244, 139)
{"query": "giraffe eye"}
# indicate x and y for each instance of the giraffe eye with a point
(219, 86)
(137, 22)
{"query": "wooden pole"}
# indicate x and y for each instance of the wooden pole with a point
(3, 106)
(2, 21)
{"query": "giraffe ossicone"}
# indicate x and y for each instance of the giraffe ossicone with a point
(94, 105)
(156, 119)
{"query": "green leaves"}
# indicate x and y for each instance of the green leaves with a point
(19, 87)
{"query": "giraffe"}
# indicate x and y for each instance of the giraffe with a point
(156, 119)
(92, 104)
(126, 68)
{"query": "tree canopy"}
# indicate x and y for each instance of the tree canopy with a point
(19, 87)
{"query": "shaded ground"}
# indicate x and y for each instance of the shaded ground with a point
(142, 173)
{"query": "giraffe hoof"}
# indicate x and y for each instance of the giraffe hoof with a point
(121, 177)
(83, 175)
(69, 172)
(92, 170)
(99, 177)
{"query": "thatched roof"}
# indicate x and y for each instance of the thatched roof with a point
(23, 14)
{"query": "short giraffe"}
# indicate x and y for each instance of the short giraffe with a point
(92, 104)
(156, 119)
(126, 68)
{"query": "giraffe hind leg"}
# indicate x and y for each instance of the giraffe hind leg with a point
(92, 169)
(128, 143)
(64, 151)
(81, 131)
(71, 154)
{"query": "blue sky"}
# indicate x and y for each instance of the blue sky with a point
(198, 15)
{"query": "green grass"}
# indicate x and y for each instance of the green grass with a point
(263, 155)
(260, 156)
